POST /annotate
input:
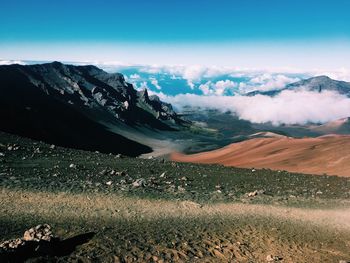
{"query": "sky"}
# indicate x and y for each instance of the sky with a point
(243, 33)
(206, 53)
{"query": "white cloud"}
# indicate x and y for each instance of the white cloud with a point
(190, 84)
(206, 88)
(338, 74)
(193, 73)
(142, 85)
(222, 86)
(135, 76)
(218, 88)
(289, 107)
(9, 62)
(155, 83)
(267, 81)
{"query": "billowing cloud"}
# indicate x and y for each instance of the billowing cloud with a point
(223, 85)
(9, 62)
(219, 88)
(289, 107)
(271, 82)
(206, 88)
(155, 83)
(338, 74)
(135, 76)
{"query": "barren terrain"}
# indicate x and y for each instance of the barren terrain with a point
(329, 154)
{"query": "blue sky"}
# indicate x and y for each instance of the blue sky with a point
(272, 33)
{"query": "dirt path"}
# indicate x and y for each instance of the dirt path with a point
(181, 231)
(91, 206)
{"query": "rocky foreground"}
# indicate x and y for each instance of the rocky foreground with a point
(109, 208)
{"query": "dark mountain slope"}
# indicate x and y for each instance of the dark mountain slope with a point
(66, 105)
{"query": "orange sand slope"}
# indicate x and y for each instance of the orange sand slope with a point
(329, 154)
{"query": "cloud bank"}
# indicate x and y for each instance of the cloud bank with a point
(289, 107)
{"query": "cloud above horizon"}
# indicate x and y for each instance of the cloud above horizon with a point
(289, 107)
(223, 88)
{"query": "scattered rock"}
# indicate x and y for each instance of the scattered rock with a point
(52, 146)
(12, 244)
(37, 150)
(181, 189)
(40, 232)
(109, 183)
(103, 172)
(2, 154)
(252, 194)
(73, 166)
(271, 258)
(255, 193)
(139, 183)
(162, 175)
(122, 173)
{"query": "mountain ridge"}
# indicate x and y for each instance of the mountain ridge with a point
(315, 84)
(68, 105)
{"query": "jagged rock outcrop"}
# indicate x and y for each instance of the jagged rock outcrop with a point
(70, 105)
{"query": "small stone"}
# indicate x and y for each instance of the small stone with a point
(52, 146)
(181, 189)
(139, 183)
(109, 183)
(255, 193)
(37, 150)
(162, 175)
(73, 166)
(103, 172)
(252, 194)
(271, 258)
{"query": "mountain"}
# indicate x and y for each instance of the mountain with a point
(316, 84)
(341, 126)
(71, 106)
(329, 154)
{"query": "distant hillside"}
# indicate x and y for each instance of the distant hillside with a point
(316, 84)
(341, 126)
(322, 155)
